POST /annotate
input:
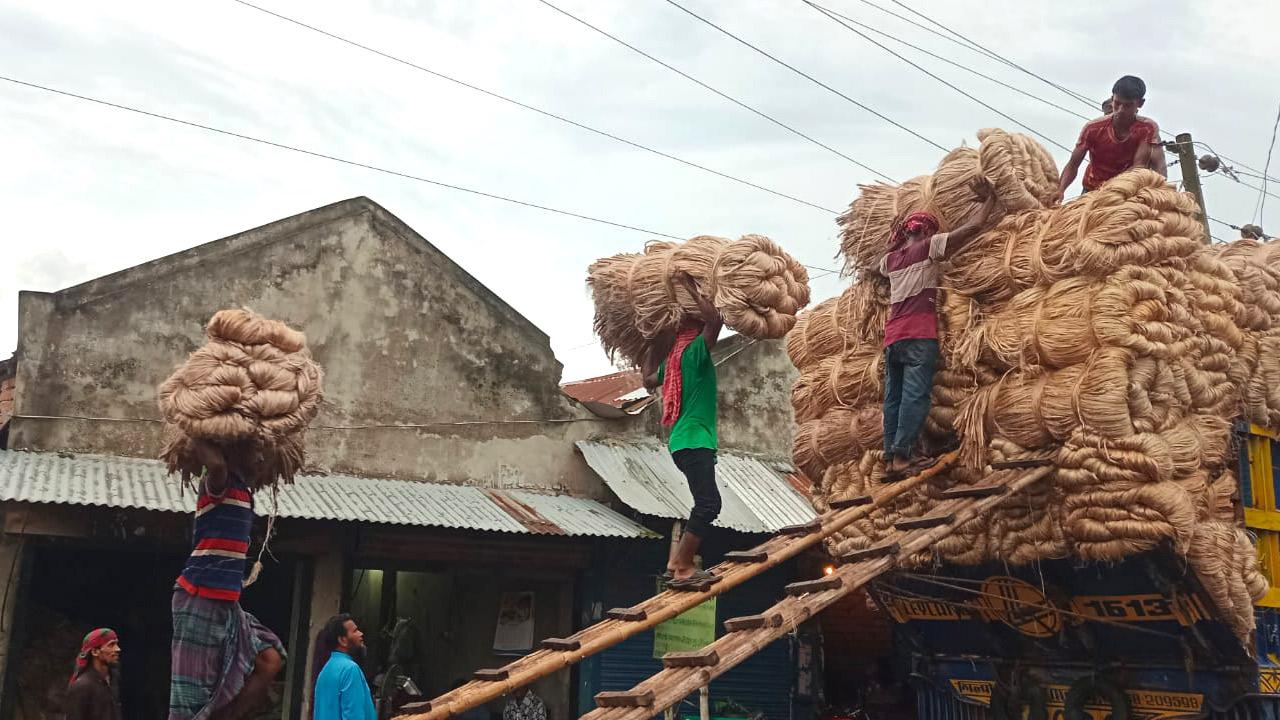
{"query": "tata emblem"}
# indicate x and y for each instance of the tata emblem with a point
(1020, 605)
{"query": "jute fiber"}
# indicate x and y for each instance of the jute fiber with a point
(755, 284)
(253, 386)
(1020, 170)
(1103, 333)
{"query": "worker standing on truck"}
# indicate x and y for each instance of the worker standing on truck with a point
(1119, 141)
(681, 363)
(911, 332)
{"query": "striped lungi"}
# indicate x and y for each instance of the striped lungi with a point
(215, 644)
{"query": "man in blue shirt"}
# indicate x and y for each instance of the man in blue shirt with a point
(341, 690)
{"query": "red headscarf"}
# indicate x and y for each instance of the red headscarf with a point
(918, 221)
(672, 386)
(95, 640)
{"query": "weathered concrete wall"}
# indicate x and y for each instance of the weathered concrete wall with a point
(405, 337)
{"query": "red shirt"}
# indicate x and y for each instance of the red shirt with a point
(1108, 155)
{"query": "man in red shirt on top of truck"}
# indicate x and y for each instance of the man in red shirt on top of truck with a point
(1117, 142)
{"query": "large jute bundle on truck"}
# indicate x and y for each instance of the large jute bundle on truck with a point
(252, 387)
(1104, 334)
(1020, 170)
(755, 284)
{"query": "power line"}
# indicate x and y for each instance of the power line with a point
(962, 66)
(531, 108)
(345, 161)
(1262, 197)
(1236, 164)
(701, 84)
(997, 56)
(868, 38)
(807, 76)
(334, 158)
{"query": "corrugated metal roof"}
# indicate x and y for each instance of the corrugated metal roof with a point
(756, 495)
(609, 389)
(121, 482)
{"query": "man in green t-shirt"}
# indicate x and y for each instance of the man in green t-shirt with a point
(681, 363)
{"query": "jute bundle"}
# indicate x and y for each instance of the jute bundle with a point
(757, 287)
(1020, 170)
(254, 386)
(840, 435)
(1136, 218)
(1063, 324)
(852, 380)
(1112, 394)
(837, 325)
(1226, 563)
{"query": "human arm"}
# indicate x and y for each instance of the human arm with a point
(957, 238)
(77, 703)
(711, 320)
(1150, 153)
(215, 466)
(355, 702)
(1070, 169)
(651, 363)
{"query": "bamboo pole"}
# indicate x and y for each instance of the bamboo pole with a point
(670, 686)
(662, 607)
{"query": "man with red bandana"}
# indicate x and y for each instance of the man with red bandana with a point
(911, 332)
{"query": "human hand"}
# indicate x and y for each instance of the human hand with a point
(982, 187)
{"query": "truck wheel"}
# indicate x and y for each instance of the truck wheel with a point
(1091, 686)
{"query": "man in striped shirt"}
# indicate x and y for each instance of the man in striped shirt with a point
(223, 659)
(911, 332)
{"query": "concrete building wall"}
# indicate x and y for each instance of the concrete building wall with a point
(405, 337)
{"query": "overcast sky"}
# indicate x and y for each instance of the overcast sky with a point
(89, 190)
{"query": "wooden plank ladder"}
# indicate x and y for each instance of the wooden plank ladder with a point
(554, 654)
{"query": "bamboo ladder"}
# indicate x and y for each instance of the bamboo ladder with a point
(685, 673)
(556, 654)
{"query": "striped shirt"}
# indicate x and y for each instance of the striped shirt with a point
(912, 270)
(215, 568)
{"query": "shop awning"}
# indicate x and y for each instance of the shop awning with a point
(758, 496)
(120, 482)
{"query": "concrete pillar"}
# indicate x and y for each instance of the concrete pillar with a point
(326, 598)
(11, 558)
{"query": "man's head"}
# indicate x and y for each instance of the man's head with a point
(1107, 106)
(100, 649)
(915, 227)
(341, 634)
(1127, 95)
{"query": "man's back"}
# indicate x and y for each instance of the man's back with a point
(341, 691)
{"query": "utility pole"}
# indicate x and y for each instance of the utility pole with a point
(1191, 177)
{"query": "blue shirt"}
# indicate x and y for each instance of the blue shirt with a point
(341, 691)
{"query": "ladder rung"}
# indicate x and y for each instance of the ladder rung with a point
(561, 644)
(624, 698)
(1021, 463)
(754, 555)
(927, 521)
(974, 491)
(801, 529)
(700, 586)
(629, 614)
(753, 622)
(705, 657)
(831, 582)
(414, 707)
(851, 502)
(492, 674)
(875, 551)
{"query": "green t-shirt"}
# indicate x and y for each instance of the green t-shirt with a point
(696, 426)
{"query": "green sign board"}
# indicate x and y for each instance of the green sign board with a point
(692, 630)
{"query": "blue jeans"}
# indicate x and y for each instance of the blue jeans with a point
(908, 382)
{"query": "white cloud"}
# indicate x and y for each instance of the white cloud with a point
(90, 190)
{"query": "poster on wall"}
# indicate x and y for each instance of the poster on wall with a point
(514, 634)
(693, 629)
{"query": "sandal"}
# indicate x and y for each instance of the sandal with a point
(913, 468)
(700, 580)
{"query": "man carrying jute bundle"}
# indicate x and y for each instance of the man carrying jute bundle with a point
(681, 363)
(235, 417)
(911, 332)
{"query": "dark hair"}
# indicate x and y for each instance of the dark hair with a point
(1130, 87)
(333, 630)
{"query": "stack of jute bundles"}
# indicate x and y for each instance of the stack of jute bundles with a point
(755, 284)
(1103, 334)
(1257, 367)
